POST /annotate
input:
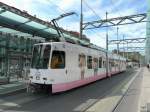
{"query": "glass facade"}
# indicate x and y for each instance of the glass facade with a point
(148, 35)
(15, 54)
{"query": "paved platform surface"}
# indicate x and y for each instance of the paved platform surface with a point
(11, 87)
(130, 101)
(144, 103)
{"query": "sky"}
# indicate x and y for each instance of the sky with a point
(92, 10)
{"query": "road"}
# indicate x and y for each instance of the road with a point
(64, 102)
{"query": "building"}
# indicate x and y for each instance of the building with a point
(147, 51)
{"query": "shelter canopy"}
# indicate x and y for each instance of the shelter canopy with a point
(13, 20)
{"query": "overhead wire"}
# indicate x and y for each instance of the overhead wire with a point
(112, 4)
(94, 12)
(60, 8)
(63, 11)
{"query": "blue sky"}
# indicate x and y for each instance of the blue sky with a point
(49, 9)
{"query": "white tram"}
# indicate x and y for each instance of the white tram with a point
(61, 66)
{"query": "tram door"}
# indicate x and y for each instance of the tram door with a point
(72, 69)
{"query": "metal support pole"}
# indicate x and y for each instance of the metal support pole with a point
(123, 47)
(118, 46)
(107, 61)
(127, 51)
(7, 74)
(81, 20)
(117, 40)
(139, 61)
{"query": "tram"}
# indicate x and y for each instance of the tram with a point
(61, 66)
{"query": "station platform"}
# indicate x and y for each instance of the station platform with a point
(12, 87)
(144, 102)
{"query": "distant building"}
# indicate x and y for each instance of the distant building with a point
(147, 51)
(132, 56)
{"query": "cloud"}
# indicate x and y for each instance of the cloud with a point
(68, 4)
(98, 38)
(21, 4)
(74, 26)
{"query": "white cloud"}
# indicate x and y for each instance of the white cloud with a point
(74, 26)
(98, 38)
(68, 4)
(43, 1)
(21, 4)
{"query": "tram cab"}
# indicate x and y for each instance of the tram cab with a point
(48, 62)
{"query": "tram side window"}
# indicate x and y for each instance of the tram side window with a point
(100, 62)
(58, 60)
(89, 62)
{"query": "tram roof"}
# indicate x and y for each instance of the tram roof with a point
(13, 20)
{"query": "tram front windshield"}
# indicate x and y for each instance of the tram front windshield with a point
(40, 56)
